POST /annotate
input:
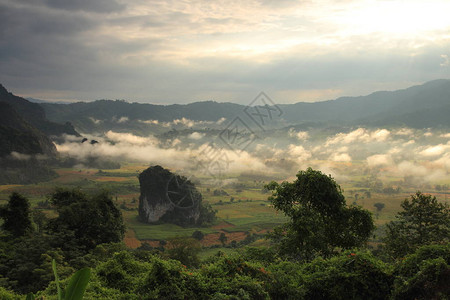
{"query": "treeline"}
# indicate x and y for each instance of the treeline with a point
(322, 252)
(29, 240)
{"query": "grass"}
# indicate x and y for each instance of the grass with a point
(164, 231)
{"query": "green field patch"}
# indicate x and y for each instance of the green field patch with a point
(112, 179)
(164, 231)
(255, 222)
(117, 174)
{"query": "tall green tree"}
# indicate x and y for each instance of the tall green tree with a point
(423, 221)
(90, 220)
(320, 221)
(16, 215)
(185, 250)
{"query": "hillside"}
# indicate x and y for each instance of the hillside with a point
(19, 136)
(25, 152)
(419, 106)
(34, 114)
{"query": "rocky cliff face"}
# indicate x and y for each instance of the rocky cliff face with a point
(168, 197)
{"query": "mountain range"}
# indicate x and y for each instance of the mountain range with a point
(421, 106)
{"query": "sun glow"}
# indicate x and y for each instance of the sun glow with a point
(395, 17)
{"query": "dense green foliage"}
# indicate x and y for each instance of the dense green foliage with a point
(71, 238)
(423, 221)
(25, 171)
(304, 261)
(16, 215)
(425, 274)
(185, 250)
(349, 275)
(92, 220)
(320, 221)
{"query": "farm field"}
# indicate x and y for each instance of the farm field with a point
(242, 207)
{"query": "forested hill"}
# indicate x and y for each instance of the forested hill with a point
(34, 114)
(19, 136)
(426, 105)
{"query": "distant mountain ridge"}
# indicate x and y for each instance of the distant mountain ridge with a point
(34, 114)
(426, 105)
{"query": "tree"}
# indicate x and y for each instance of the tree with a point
(423, 221)
(223, 238)
(379, 206)
(198, 235)
(16, 215)
(424, 274)
(92, 220)
(320, 221)
(39, 219)
(185, 250)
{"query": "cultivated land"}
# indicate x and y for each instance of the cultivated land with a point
(244, 211)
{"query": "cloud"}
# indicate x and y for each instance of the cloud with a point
(410, 142)
(404, 131)
(98, 6)
(184, 121)
(130, 138)
(443, 162)
(434, 150)
(298, 153)
(301, 135)
(196, 136)
(173, 52)
(446, 60)
(379, 160)
(123, 120)
(221, 120)
(95, 121)
(342, 157)
(20, 156)
(420, 173)
(380, 135)
(360, 149)
(359, 135)
(408, 168)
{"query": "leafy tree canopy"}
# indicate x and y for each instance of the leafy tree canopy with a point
(423, 221)
(320, 221)
(16, 215)
(92, 219)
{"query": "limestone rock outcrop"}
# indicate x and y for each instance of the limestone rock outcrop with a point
(168, 197)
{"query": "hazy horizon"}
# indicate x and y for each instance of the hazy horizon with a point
(241, 102)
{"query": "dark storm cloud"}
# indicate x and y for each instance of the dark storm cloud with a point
(97, 6)
(38, 45)
(21, 22)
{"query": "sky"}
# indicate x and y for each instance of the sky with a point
(169, 51)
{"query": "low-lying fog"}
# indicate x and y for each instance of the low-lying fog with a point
(411, 155)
